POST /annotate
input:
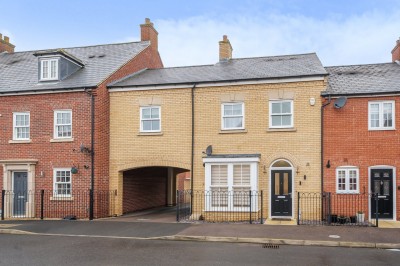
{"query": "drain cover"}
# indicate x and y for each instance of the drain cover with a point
(270, 246)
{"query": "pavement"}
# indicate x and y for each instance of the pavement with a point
(161, 224)
(137, 228)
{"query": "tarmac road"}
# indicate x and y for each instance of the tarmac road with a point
(76, 250)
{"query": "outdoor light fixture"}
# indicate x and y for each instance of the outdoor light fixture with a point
(328, 164)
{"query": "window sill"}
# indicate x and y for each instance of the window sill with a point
(347, 192)
(150, 134)
(62, 140)
(62, 198)
(232, 131)
(381, 129)
(289, 129)
(20, 141)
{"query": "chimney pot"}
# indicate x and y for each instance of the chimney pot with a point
(225, 49)
(7, 39)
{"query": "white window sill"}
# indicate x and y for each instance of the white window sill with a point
(20, 141)
(381, 129)
(232, 131)
(62, 140)
(62, 198)
(347, 192)
(150, 134)
(284, 129)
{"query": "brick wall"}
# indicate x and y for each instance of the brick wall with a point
(173, 146)
(49, 154)
(348, 142)
(149, 58)
(145, 188)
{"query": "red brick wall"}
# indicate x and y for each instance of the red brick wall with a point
(145, 188)
(347, 142)
(49, 155)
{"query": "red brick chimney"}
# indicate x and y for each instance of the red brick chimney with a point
(225, 49)
(396, 52)
(5, 45)
(149, 33)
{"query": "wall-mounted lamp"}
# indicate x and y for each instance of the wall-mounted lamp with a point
(86, 166)
(297, 170)
(305, 177)
(328, 164)
(41, 174)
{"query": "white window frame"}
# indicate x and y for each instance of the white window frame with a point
(381, 120)
(232, 116)
(55, 190)
(230, 162)
(15, 135)
(347, 170)
(291, 113)
(150, 119)
(49, 77)
(55, 134)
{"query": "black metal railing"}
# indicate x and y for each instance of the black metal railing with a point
(56, 204)
(328, 208)
(220, 206)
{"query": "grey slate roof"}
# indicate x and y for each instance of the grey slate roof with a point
(363, 79)
(19, 71)
(233, 69)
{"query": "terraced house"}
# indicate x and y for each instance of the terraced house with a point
(54, 121)
(362, 137)
(242, 127)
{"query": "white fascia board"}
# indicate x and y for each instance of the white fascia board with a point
(216, 84)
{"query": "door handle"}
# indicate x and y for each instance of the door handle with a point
(21, 197)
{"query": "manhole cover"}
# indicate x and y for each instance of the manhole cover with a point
(334, 236)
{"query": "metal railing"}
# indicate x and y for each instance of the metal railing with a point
(328, 208)
(56, 204)
(220, 206)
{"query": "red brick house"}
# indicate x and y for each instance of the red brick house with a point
(54, 122)
(361, 137)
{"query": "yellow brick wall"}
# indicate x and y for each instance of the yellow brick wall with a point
(129, 149)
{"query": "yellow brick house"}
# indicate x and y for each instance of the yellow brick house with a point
(240, 126)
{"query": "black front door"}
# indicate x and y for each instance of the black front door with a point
(20, 187)
(281, 193)
(382, 184)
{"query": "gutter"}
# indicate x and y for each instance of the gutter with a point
(355, 95)
(91, 203)
(322, 143)
(207, 82)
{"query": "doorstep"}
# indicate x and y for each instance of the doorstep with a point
(280, 222)
(388, 224)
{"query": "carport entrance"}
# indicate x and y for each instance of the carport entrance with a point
(152, 188)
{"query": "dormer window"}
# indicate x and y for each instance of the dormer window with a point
(49, 69)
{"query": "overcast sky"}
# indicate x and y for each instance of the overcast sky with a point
(340, 32)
